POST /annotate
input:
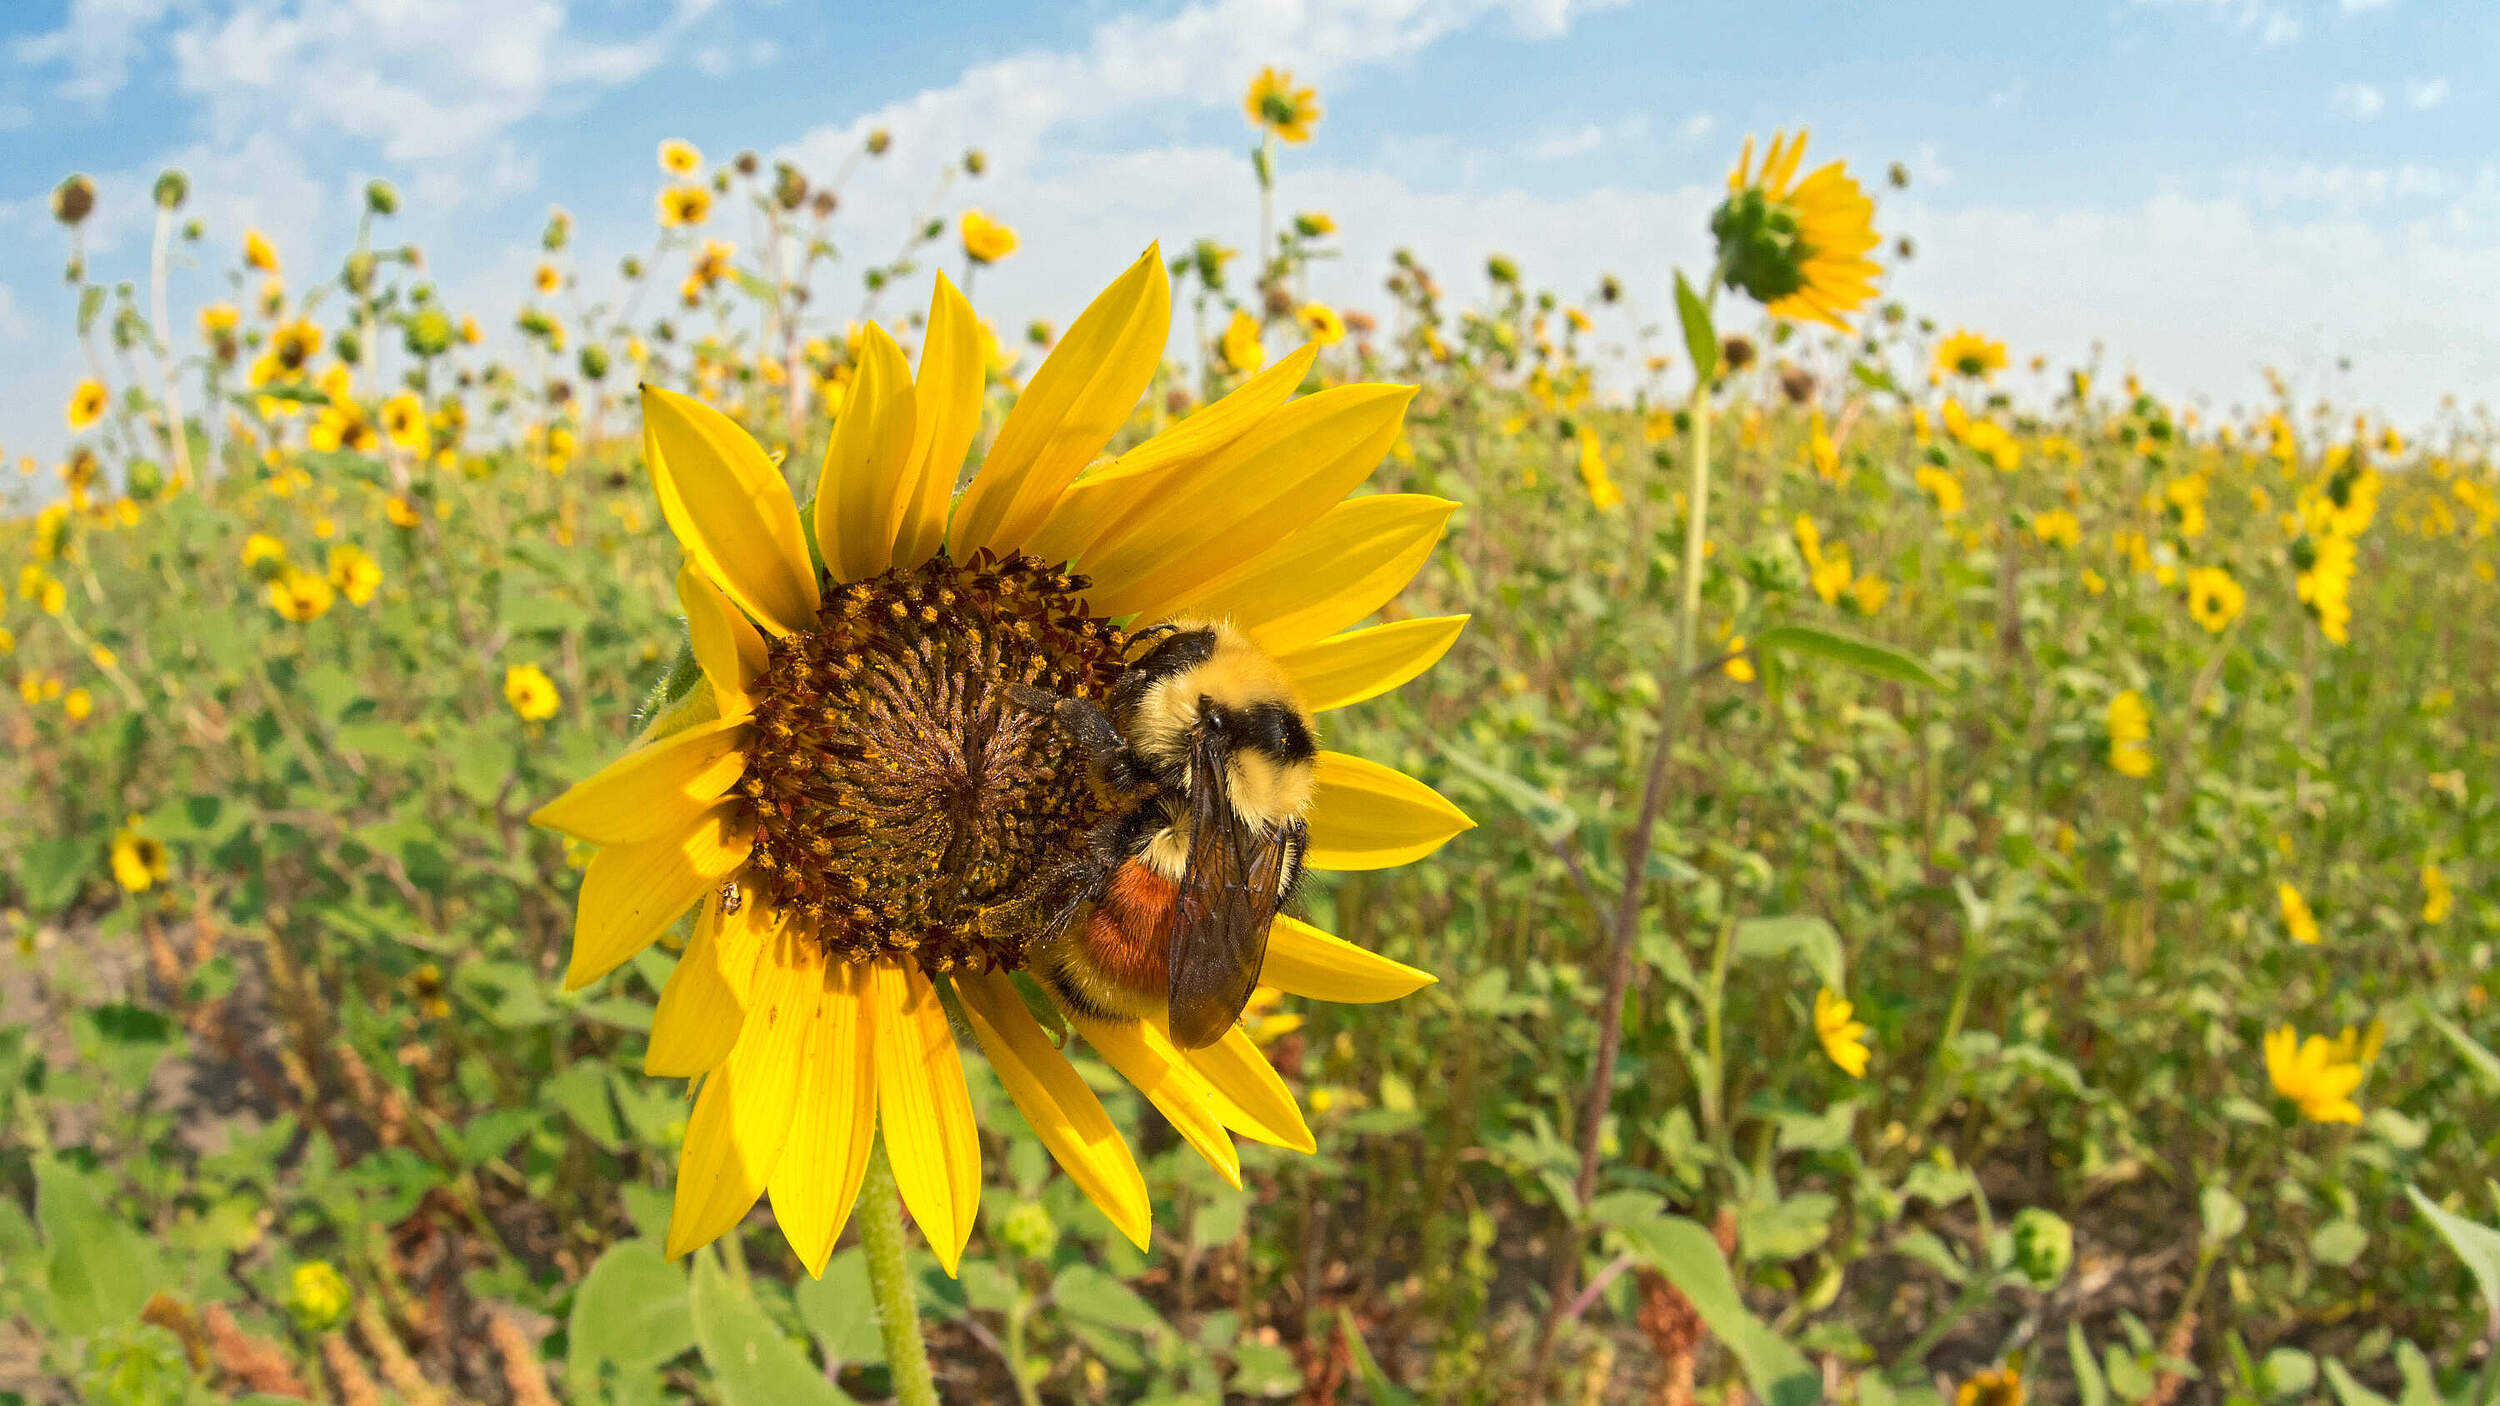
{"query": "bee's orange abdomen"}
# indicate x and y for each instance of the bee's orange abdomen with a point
(1126, 929)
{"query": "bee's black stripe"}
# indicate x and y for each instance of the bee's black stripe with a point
(1272, 728)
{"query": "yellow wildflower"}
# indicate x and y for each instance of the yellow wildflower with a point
(2308, 1073)
(532, 694)
(1844, 1040)
(2298, 922)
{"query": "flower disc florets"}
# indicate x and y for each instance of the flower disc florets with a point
(895, 790)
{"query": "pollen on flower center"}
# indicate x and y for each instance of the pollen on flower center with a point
(894, 788)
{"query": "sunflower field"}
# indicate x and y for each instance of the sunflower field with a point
(1843, 863)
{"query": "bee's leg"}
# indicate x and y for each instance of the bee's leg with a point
(1109, 761)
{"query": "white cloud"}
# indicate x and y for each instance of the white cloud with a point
(1559, 145)
(97, 42)
(2361, 101)
(425, 82)
(2354, 7)
(1697, 126)
(2425, 93)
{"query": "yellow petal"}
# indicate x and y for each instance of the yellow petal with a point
(742, 1115)
(946, 400)
(726, 643)
(652, 790)
(1055, 1103)
(859, 497)
(703, 1007)
(1352, 561)
(1349, 668)
(1281, 476)
(728, 504)
(1078, 399)
(1303, 961)
(631, 893)
(834, 1118)
(1099, 501)
(1147, 1058)
(1368, 816)
(924, 1108)
(1250, 1097)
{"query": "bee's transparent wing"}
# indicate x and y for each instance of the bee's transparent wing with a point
(1229, 891)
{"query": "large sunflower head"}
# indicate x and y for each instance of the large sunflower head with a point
(841, 780)
(1798, 247)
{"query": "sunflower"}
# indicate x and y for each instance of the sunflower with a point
(139, 861)
(1321, 324)
(531, 693)
(680, 158)
(548, 279)
(1997, 1386)
(301, 596)
(1275, 105)
(1797, 247)
(1243, 348)
(403, 421)
(1843, 1039)
(2318, 1075)
(681, 206)
(258, 253)
(1966, 353)
(986, 241)
(2214, 599)
(842, 788)
(86, 405)
(354, 572)
(2130, 735)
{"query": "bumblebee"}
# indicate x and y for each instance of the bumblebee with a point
(1209, 763)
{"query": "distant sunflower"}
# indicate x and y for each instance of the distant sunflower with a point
(685, 206)
(986, 241)
(841, 785)
(1797, 247)
(86, 405)
(1276, 105)
(2214, 598)
(680, 158)
(1966, 353)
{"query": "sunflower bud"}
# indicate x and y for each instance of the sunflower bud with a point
(381, 197)
(358, 273)
(594, 362)
(144, 479)
(1898, 176)
(1736, 353)
(1610, 289)
(879, 141)
(172, 188)
(745, 162)
(976, 161)
(73, 200)
(1029, 1230)
(1501, 270)
(789, 186)
(429, 333)
(351, 348)
(825, 203)
(2044, 1246)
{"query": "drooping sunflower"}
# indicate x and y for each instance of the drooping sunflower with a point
(1967, 353)
(837, 778)
(87, 404)
(986, 241)
(1798, 247)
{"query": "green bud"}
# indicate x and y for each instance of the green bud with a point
(429, 333)
(172, 188)
(1502, 270)
(351, 348)
(879, 141)
(145, 478)
(594, 362)
(976, 161)
(381, 197)
(1028, 1230)
(2044, 1246)
(358, 275)
(192, 230)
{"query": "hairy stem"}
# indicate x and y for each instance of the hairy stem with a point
(889, 1279)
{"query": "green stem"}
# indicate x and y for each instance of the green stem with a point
(1714, 1040)
(1027, 1394)
(1696, 533)
(889, 1279)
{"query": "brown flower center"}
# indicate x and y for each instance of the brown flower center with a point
(895, 790)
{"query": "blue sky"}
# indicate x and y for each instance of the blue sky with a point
(2203, 186)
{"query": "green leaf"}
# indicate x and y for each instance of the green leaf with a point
(1551, 818)
(752, 1363)
(99, 1272)
(841, 1310)
(1263, 1369)
(2477, 1245)
(1865, 656)
(1701, 340)
(1804, 934)
(2338, 1242)
(582, 1092)
(2289, 1372)
(631, 1310)
(2222, 1213)
(1685, 1252)
(1376, 1383)
(52, 871)
(2483, 1061)
(2090, 1390)
(1095, 1296)
(2347, 1389)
